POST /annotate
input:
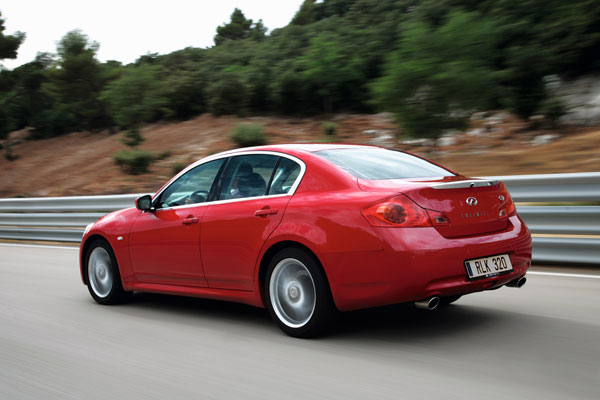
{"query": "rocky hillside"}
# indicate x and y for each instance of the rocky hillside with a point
(80, 163)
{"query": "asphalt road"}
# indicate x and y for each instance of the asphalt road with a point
(538, 342)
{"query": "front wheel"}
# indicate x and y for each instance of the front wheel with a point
(298, 295)
(102, 273)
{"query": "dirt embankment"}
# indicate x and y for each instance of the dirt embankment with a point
(80, 163)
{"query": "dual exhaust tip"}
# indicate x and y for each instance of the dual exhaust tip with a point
(519, 282)
(433, 302)
(428, 304)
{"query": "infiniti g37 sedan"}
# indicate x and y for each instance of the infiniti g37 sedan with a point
(307, 230)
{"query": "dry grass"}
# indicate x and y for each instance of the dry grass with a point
(80, 163)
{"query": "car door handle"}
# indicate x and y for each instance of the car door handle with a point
(190, 220)
(265, 212)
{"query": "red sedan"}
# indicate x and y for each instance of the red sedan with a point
(306, 230)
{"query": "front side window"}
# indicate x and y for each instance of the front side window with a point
(192, 187)
(247, 176)
(375, 163)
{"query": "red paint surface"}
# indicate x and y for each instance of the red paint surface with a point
(220, 256)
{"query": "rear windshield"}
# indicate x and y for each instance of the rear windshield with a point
(376, 163)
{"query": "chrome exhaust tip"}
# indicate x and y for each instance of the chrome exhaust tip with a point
(517, 283)
(428, 304)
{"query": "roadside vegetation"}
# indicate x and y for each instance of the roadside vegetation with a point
(430, 62)
(134, 162)
(329, 128)
(246, 135)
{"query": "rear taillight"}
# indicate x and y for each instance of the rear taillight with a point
(507, 209)
(402, 212)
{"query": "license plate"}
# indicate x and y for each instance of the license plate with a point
(488, 266)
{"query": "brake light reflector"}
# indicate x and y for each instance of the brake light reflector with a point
(508, 208)
(437, 218)
(398, 211)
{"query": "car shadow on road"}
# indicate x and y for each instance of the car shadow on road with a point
(404, 322)
(396, 322)
(194, 307)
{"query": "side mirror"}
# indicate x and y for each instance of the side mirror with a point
(144, 202)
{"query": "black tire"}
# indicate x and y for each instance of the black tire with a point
(444, 301)
(294, 284)
(104, 284)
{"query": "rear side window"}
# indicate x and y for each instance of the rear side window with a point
(375, 163)
(285, 176)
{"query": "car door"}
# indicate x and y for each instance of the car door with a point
(165, 242)
(253, 194)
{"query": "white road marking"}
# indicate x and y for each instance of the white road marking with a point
(563, 274)
(44, 246)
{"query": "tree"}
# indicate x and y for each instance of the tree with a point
(9, 44)
(78, 81)
(288, 88)
(185, 82)
(228, 93)
(310, 11)
(27, 97)
(429, 61)
(329, 68)
(240, 28)
(439, 75)
(136, 97)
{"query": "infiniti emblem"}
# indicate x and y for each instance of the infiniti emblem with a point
(472, 201)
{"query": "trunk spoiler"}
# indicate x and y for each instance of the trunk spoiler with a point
(465, 184)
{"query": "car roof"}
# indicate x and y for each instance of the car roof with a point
(295, 147)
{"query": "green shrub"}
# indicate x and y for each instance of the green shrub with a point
(132, 137)
(329, 128)
(164, 155)
(134, 162)
(245, 135)
(9, 155)
(51, 122)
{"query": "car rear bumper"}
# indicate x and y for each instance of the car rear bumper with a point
(418, 263)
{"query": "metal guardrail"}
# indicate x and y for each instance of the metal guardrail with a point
(565, 220)
(62, 219)
(577, 187)
(566, 250)
(68, 204)
(49, 219)
(44, 234)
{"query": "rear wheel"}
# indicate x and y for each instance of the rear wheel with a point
(298, 295)
(102, 273)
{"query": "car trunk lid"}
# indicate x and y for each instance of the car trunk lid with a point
(469, 206)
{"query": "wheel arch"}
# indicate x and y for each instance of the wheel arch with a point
(272, 251)
(85, 246)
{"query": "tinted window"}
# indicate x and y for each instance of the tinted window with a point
(247, 176)
(375, 163)
(192, 187)
(285, 175)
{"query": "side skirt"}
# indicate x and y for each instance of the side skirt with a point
(236, 296)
